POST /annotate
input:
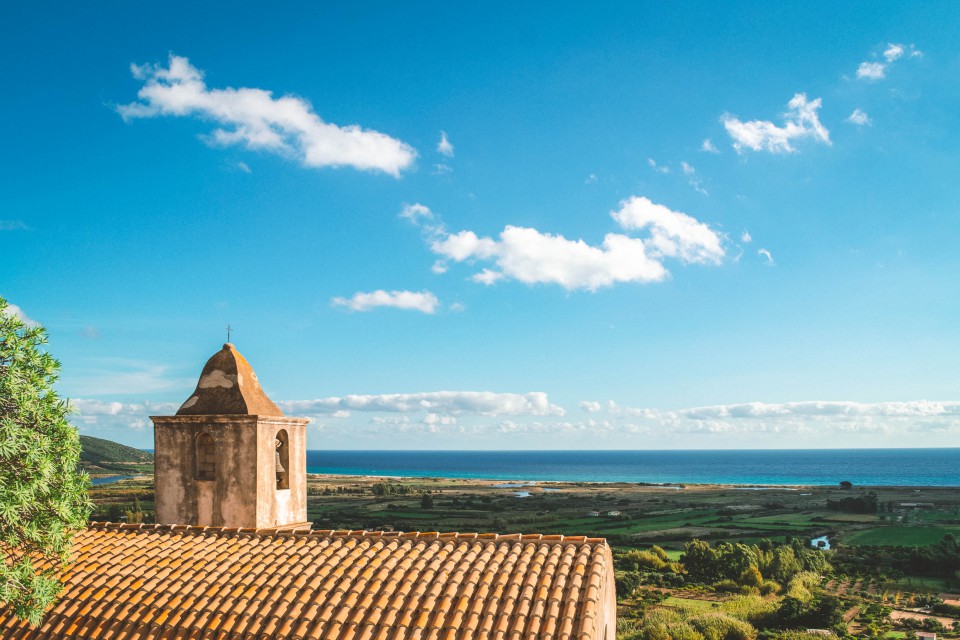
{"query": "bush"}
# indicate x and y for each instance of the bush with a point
(627, 583)
(802, 586)
(719, 626)
(951, 610)
(753, 609)
(662, 624)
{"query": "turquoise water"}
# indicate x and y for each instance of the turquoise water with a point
(110, 479)
(918, 467)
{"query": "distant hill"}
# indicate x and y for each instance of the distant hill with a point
(105, 456)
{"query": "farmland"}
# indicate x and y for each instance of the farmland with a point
(871, 597)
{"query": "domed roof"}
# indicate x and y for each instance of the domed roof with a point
(228, 385)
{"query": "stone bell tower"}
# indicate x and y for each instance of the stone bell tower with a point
(229, 457)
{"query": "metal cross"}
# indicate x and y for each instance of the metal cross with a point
(228, 332)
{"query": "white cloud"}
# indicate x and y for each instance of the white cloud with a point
(859, 118)
(774, 420)
(444, 146)
(487, 277)
(893, 52)
(13, 225)
(16, 312)
(801, 121)
(591, 179)
(746, 238)
(243, 166)
(672, 234)
(254, 118)
(87, 408)
(763, 253)
(452, 419)
(871, 70)
(416, 212)
(452, 403)
(693, 180)
(656, 167)
(463, 245)
(533, 257)
(422, 301)
(709, 147)
(440, 169)
(458, 307)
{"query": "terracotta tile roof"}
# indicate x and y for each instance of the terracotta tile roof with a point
(179, 582)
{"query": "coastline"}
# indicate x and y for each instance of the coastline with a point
(754, 468)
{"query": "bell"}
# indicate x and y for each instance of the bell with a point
(280, 469)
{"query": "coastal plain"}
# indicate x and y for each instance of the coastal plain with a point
(627, 514)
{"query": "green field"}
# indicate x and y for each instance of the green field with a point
(899, 536)
(917, 584)
(649, 514)
(688, 604)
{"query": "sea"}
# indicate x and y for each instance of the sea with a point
(877, 467)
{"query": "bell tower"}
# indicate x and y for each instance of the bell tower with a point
(229, 457)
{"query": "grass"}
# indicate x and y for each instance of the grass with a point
(899, 536)
(853, 517)
(689, 604)
(916, 584)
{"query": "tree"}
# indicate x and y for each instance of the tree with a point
(43, 498)
(426, 501)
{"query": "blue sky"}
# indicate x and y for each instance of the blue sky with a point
(622, 225)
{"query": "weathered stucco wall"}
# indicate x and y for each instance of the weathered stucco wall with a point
(278, 507)
(243, 491)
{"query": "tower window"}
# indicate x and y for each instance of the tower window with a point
(206, 457)
(282, 459)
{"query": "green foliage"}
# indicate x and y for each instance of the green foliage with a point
(866, 503)
(951, 610)
(627, 583)
(719, 626)
(426, 501)
(751, 577)
(940, 559)
(43, 498)
(796, 635)
(802, 586)
(381, 489)
(753, 609)
(662, 624)
(747, 566)
(824, 611)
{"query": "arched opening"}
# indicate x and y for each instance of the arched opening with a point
(282, 459)
(205, 455)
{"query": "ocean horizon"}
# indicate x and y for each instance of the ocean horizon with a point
(872, 467)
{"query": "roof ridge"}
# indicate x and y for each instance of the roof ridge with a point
(305, 530)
